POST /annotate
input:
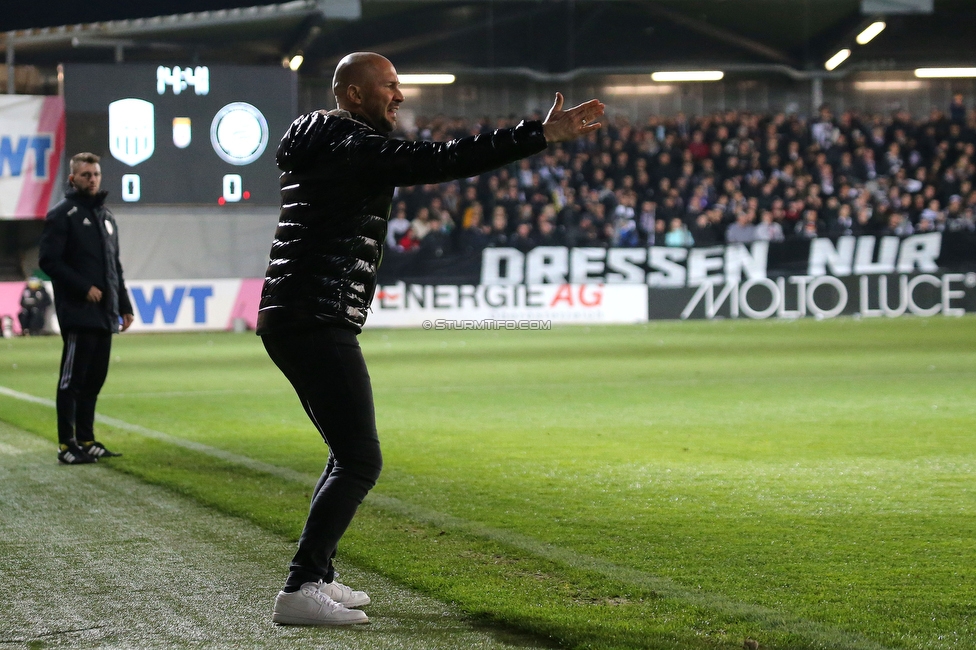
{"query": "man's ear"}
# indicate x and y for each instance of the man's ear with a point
(354, 94)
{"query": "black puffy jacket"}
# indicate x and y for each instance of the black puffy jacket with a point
(336, 194)
(80, 249)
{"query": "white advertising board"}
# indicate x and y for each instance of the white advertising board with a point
(502, 307)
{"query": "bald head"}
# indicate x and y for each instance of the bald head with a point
(366, 83)
(356, 69)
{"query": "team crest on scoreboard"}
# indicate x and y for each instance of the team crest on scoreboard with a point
(239, 133)
(181, 132)
(131, 130)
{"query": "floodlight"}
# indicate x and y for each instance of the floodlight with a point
(424, 79)
(837, 59)
(911, 84)
(688, 75)
(296, 62)
(870, 32)
(639, 90)
(929, 73)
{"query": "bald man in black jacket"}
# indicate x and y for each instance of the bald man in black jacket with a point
(340, 169)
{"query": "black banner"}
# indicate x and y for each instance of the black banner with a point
(664, 267)
(950, 294)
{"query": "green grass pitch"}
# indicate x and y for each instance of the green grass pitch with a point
(672, 485)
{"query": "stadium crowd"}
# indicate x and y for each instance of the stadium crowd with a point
(726, 177)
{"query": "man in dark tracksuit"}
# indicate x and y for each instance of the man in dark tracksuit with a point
(340, 170)
(80, 252)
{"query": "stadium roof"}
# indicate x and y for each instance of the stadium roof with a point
(542, 38)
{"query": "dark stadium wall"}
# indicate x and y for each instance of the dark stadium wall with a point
(195, 242)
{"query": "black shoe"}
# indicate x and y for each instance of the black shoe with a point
(72, 454)
(97, 450)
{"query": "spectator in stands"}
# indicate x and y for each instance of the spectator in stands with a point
(925, 225)
(809, 227)
(598, 216)
(742, 231)
(420, 225)
(966, 221)
(703, 231)
(845, 169)
(843, 223)
(931, 211)
(958, 215)
(863, 222)
(525, 174)
(443, 215)
(625, 221)
(548, 236)
(523, 239)
(467, 202)
(525, 213)
(669, 209)
(509, 197)
(957, 109)
(660, 231)
(585, 233)
(474, 236)
(34, 301)
(570, 213)
(678, 234)
(697, 146)
(450, 198)
(898, 225)
(408, 242)
(865, 168)
(625, 233)
(768, 229)
(646, 222)
(437, 242)
(398, 227)
(498, 236)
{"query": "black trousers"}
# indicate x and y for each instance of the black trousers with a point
(31, 321)
(84, 366)
(326, 367)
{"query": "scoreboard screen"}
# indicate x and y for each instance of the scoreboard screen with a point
(181, 134)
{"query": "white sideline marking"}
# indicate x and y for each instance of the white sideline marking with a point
(829, 636)
(9, 450)
(236, 459)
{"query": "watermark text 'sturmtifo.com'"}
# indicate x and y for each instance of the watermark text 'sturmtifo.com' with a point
(486, 324)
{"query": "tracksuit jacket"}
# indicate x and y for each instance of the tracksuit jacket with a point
(80, 249)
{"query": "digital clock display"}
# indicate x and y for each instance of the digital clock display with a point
(181, 134)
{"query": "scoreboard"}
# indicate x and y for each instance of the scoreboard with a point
(181, 134)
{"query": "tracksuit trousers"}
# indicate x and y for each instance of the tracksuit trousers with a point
(325, 365)
(84, 366)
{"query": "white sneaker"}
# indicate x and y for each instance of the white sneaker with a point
(312, 606)
(344, 595)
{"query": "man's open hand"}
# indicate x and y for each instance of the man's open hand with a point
(562, 126)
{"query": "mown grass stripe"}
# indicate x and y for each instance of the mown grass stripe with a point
(771, 619)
